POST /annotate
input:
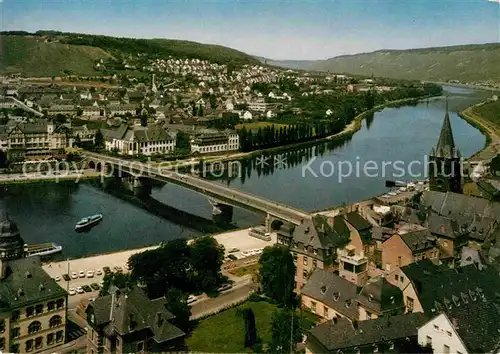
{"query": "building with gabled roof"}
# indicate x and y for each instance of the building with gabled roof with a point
(465, 317)
(147, 141)
(127, 321)
(396, 334)
(329, 295)
(404, 248)
(314, 243)
(379, 298)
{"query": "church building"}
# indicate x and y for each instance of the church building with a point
(445, 167)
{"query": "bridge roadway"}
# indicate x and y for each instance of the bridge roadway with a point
(215, 191)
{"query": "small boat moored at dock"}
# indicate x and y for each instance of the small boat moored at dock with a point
(42, 249)
(88, 222)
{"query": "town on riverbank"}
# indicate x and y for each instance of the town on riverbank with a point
(397, 272)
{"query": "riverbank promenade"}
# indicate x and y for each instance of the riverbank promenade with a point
(9, 178)
(238, 239)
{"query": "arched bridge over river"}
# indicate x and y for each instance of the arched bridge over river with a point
(223, 196)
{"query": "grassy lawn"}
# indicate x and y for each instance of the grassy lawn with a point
(251, 269)
(257, 125)
(223, 332)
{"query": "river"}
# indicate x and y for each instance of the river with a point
(47, 212)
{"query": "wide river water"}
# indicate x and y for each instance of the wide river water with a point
(47, 212)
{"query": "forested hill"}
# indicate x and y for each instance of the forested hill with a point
(48, 53)
(465, 63)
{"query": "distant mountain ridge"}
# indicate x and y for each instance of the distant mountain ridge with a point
(53, 53)
(474, 62)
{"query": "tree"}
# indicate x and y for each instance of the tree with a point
(283, 334)
(213, 102)
(118, 279)
(144, 120)
(206, 260)
(182, 140)
(3, 159)
(163, 268)
(277, 274)
(99, 140)
(250, 328)
(178, 306)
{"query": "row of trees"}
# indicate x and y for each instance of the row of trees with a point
(272, 136)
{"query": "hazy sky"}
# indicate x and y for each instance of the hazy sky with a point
(278, 29)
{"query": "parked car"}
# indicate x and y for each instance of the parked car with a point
(57, 278)
(66, 277)
(232, 257)
(95, 286)
(87, 288)
(225, 287)
(80, 290)
(72, 292)
(118, 269)
(90, 274)
(233, 250)
(98, 272)
(82, 274)
(106, 270)
(191, 299)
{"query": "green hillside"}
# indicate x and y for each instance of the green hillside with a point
(33, 56)
(49, 53)
(464, 63)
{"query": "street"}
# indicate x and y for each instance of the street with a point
(240, 291)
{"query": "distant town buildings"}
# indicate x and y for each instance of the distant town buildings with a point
(208, 141)
(32, 140)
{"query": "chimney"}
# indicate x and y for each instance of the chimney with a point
(159, 319)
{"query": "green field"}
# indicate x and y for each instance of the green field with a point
(257, 125)
(251, 269)
(223, 332)
(489, 112)
(32, 56)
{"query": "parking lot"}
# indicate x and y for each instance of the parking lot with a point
(238, 244)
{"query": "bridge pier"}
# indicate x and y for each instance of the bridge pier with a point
(222, 212)
(138, 186)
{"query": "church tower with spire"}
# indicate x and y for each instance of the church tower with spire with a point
(445, 168)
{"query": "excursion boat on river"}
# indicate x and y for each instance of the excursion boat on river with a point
(88, 222)
(41, 249)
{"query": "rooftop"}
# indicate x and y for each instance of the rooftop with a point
(26, 282)
(130, 310)
(343, 334)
